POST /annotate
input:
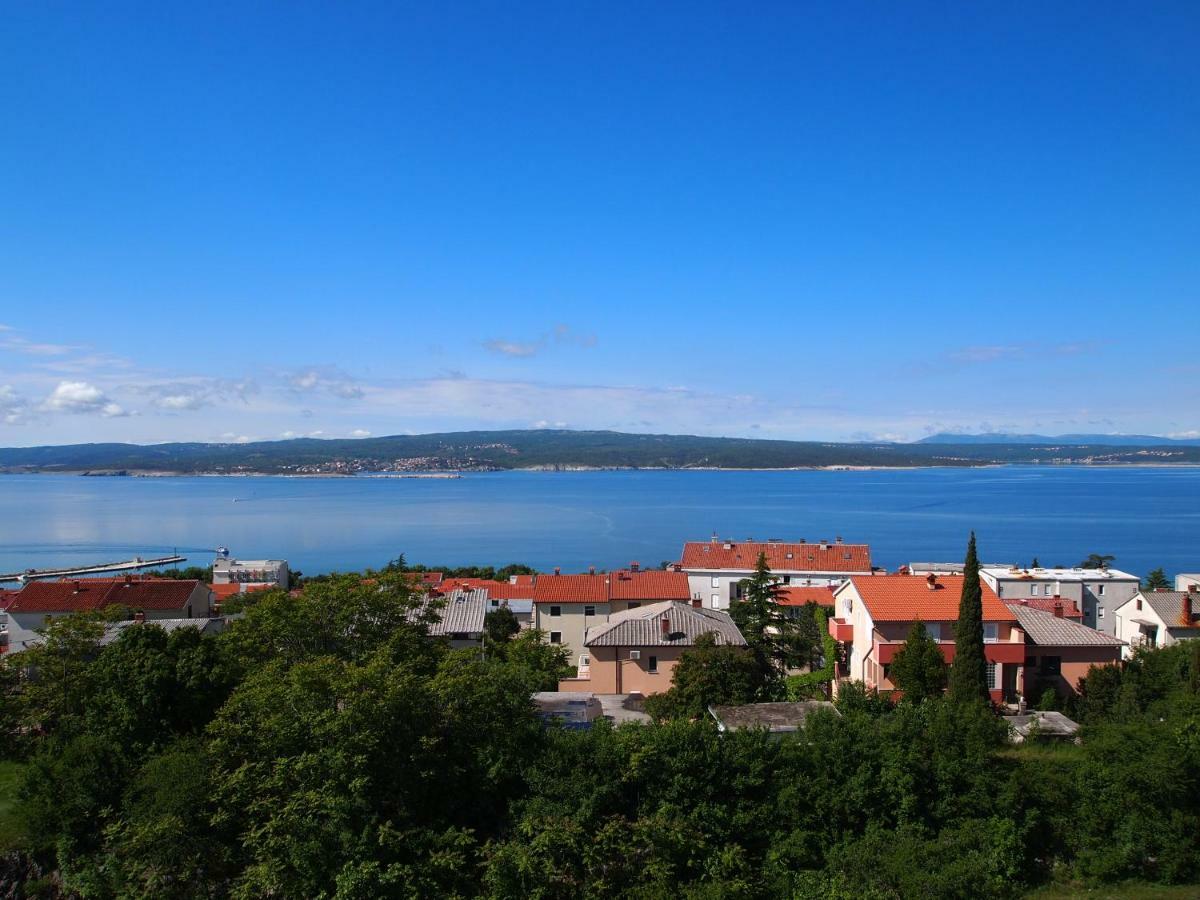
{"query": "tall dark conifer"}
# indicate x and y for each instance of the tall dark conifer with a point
(968, 673)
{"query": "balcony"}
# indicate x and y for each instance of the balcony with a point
(997, 652)
(841, 630)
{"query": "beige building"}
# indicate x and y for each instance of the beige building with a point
(566, 606)
(636, 650)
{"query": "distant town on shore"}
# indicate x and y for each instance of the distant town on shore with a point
(546, 449)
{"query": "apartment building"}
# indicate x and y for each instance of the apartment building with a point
(1098, 592)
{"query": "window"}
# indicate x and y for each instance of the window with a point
(934, 630)
(584, 661)
(634, 604)
(1051, 665)
(1100, 590)
(1099, 612)
(1030, 662)
(556, 611)
(652, 665)
(716, 601)
(458, 636)
(991, 676)
(589, 610)
(1139, 603)
(991, 632)
(716, 582)
(556, 637)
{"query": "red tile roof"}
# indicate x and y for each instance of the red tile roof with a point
(7, 597)
(799, 596)
(96, 593)
(705, 555)
(906, 598)
(1046, 604)
(524, 580)
(650, 585)
(496, 590)
(645, 586)
(225, 591)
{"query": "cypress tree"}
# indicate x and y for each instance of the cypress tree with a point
(968, 672)
(919, 669)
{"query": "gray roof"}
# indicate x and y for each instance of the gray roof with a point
(775, 717)
(1169, 606)
(1047, 724)
(1048, 630)
(642, 627)
(463, 613)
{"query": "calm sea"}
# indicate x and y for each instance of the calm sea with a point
(1146, 517)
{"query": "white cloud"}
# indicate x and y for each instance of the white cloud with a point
(559, 334)
(327, 379)
(82, 397)
(512, 348)
(287, 435)
(360, 433)
(13, 407)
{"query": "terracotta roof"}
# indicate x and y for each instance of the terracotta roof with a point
(7, 597)
(225, 591)
(804, 557)
(800, 596)
(621, 585)
(1048, 630)
(1046, 604)
(571, 589)
(496, 590)
(96, 593)
(906, 598)
(523, 580)
(649, 585)
(642, 627)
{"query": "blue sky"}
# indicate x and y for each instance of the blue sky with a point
(839, 221)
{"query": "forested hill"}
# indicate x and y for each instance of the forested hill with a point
(485, 450)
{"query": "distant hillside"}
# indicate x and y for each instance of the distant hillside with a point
(1094, 440)
(493, 450)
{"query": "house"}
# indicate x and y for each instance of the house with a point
(1158, 618)
(1187, 581)
(636, 650)
(273, 572)
(566, 606)
(873, 616)
(516, 597)
(716, 568)
(1059, 650)
(1095, 591)
(155, 598)
(776, 718)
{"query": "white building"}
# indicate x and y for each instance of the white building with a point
(1187, 582)
(716, 568)
(250, 571)
(1095, 591)
(1158, 618)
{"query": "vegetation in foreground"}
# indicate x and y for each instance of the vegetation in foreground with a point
(325, 746)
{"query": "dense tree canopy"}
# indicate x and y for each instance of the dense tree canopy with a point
(918, 668)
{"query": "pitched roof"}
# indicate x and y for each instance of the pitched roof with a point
(800, 596)
(906, 598)
(781, 557)
(1048, 630)
(652, 584)
(642, 627)
(1169, 606)
(643, 585)
(497, 590)
(458, 612)
(775, 717)
(571, 589)
(86, 594)
(225, 591)
(7, 597)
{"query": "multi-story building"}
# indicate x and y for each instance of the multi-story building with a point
(272, 572)
(1059, 650)
(149, 598)
(1095, 591)
(566, 606)
(636, 650)
(873, 616)
(716, 569)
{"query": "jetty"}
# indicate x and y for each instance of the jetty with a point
(98, 569)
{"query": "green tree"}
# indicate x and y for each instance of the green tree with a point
(546, 663)
(1097, 561)
(500, 625)
(707, 674)
(1035, 564)
(771, 633)
(919, 669)
(1156, 580)
(968, 672)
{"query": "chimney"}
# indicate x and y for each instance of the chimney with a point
(557, 570)
(696, 602)
(591, 570)
(838, 539)
(633, 566)
(1185, 611)
(1058, 609)
(666, 625)
(1193, 588)
(139, 616)
(931, 581)
(78, 588)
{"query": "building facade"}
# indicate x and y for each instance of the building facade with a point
(1158, 619)
(716, 568)
(1060, 651)
(1097, 592)
(251, 571)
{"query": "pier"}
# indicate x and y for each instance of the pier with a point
(98, 569)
